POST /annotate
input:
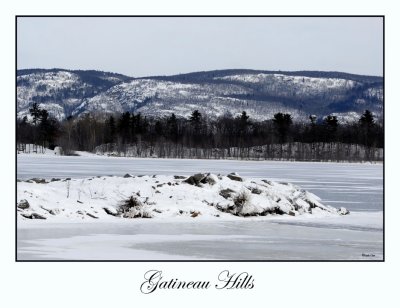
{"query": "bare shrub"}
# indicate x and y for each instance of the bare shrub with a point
(240, 199)
(239, 202)
(133, 208)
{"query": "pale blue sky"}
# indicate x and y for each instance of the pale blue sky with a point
(144, 46)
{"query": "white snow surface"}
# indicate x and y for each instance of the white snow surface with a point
(165, 197)
(308, 82)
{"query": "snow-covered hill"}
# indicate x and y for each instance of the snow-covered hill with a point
(60, 91)
(260, 93)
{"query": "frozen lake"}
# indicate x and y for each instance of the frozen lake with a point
(358, 187)
(357, 237)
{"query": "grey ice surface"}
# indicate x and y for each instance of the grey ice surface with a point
(241, 240)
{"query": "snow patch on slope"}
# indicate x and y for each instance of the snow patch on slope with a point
(308, 82)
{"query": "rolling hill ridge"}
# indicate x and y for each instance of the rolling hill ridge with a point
(214, 93)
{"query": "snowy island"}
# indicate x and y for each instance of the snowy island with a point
(200, 196)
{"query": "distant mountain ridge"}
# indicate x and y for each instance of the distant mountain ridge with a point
(314, 74)
(214, 93)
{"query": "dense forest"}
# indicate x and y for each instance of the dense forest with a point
(197, 136)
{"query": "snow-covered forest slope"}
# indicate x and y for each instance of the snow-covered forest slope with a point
(214, 93)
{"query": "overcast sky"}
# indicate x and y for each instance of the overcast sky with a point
(164, 46)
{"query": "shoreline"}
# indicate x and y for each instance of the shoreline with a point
(83, 154)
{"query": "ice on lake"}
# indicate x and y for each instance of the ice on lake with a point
(341, 238)
(359, 236)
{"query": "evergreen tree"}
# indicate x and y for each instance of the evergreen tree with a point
(330, 124)
(110, 130)
(313, 130)
(244, 121)
(367, 125)
(172, 128)
(196, 123)
(24, 131)
(282, 123)
(138, 124)
(35, 112)
(158, 128)
(367, 119)
(195, 118)
(124, 127)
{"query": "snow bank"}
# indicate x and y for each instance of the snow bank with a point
(201, 196)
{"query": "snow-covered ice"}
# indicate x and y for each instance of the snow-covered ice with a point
(357, 236)
(357, 187)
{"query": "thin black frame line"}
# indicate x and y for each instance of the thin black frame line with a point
(197, 261)
(219, 16)
(16, 168)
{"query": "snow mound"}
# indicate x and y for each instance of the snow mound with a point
(201, 196)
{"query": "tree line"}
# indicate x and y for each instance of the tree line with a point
(172, 136)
